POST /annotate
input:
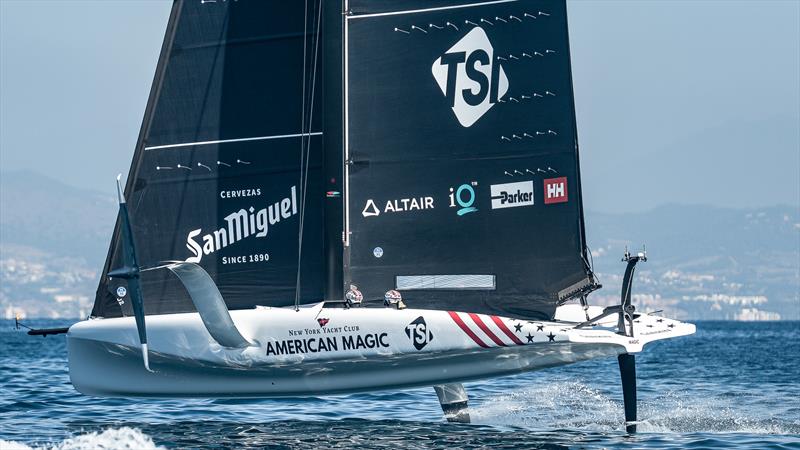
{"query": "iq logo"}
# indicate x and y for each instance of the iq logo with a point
(555, 190)
(463, 197)
(470, 77)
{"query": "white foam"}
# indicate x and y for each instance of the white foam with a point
(572, 404)
(124, 438)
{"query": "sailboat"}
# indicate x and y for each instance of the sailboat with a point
(336, 197)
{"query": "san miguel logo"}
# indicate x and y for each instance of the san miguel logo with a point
(240, 225)
(419, 333)
(470, 77)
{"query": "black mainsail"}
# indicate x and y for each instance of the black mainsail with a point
(462, 156)
(442, 160)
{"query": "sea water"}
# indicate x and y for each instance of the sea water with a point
(730, 385)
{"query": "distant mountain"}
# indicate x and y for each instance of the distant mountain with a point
(53, 241)
(42, 213)
(704, 262)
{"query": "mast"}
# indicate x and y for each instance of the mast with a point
(333, 143)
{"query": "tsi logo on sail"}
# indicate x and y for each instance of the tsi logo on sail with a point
(510, 195)
(470, 77)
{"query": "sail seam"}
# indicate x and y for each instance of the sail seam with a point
(226, 141)
(442, 8)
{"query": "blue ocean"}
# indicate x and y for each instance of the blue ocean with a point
(731, 385)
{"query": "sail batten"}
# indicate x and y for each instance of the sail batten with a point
(227, 141)
(356, 6)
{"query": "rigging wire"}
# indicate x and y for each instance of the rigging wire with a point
(305, 138)
(302, 146)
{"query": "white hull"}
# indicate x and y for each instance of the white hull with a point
(359, 349)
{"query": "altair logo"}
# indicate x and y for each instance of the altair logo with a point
(470, 77)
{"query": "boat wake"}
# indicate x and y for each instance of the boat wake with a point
(111, 438)
(575, 405)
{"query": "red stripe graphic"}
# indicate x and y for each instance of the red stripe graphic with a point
(466, 329)
(497, 321)
(486, 330)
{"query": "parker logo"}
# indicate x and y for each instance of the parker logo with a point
(555, 190)
(470, 77)
(510, 195)
(419, 333)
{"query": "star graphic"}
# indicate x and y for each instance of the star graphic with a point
(660, 320)
(539, 327)
(672, 325)
(552, 337)
(518, 327)
(529, 337)
(649, 325)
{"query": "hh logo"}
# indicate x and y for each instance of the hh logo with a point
(419, 333)
(470, 77)
(555, 190)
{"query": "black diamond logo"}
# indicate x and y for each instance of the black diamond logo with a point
(419, 333)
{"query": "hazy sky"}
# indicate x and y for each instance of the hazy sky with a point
(678, 101)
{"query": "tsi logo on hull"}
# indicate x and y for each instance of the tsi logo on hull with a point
(511, 195)
(470, 77)
(419, 333)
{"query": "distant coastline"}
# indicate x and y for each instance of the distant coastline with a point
(706, 263)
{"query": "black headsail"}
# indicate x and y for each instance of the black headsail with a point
(215, 177)
(463, 183)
